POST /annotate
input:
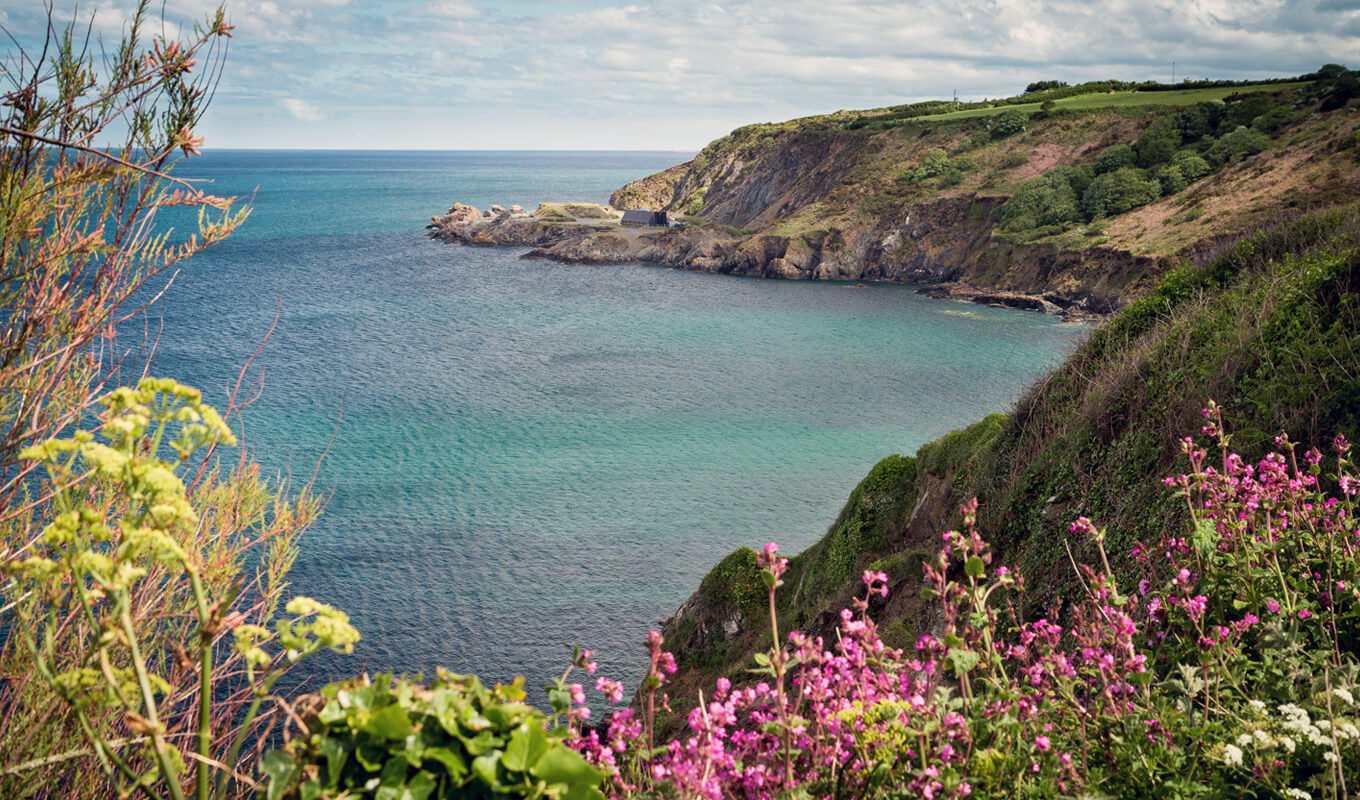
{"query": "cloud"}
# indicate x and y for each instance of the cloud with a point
(301, 109)
(693, 70)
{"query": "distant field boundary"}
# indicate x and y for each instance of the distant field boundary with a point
(1086, 102)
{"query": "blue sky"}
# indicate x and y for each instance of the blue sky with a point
(607, 74)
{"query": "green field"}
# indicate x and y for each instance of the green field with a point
(1085, 102)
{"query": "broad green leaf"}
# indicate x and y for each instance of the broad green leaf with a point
(974, 567)
(962, 661)
(280, 769)
(527, 745)
(335, 753)
(561, 765)
(484, 767)
(454, 764)
(389, 723)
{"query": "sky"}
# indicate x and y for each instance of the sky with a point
(676, 74)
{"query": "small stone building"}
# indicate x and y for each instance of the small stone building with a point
(641, 218)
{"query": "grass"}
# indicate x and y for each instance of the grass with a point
(1087, 102)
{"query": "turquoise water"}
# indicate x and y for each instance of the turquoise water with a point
(533, 455)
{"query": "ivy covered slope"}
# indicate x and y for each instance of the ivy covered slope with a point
(1077, 196)
(1268, 326)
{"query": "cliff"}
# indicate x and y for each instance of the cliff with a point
(1077, 205)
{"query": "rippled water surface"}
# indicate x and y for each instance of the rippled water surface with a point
(533, 455)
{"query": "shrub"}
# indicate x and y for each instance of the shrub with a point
(453, 738)
(1190, 166)
(1241, 143)
(1170, 179)
(1014, 159)
(936, 164)
(1157, 144)
(1112, 158)
(1118, 192)
(1046, 200)
(1007, 123)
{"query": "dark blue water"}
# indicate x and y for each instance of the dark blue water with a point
(533, 455)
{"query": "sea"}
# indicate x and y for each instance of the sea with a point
(521, 456)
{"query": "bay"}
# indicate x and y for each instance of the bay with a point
(529, 455)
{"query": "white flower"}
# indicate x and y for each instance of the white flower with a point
(1330, 756)
(1344, 696)
(1297, 794)
(1262, 737)
(1245, 740)
(1288, 743)
(1347, 730)
(1257, 706)
(1232, 755)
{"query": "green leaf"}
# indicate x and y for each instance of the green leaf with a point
(420, 787)
(484, 767)
(527, 745)
(1205, 537)
(560, 699)
(335, 753)
(962, 661)
(280, 769)
(389, 723)
(561, 765)
(974, 567)
(454, 764)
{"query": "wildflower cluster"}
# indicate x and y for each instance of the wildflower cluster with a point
(1231, 667)
(126, 535)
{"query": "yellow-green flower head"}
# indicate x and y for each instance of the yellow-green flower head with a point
(35, 567)
(63, 529)
(88, 562)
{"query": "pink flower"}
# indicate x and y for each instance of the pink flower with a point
(1273, 606)
(1195, 606)
(578, 693)
(1304, 613)
(1042, 742)
(611, 689)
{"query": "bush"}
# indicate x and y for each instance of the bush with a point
(1014, 159)
(1007, 123)
(1170, 179)
(1157, 144)
(1190, 166)
(1043, 201)
(936, 164)
(1118, 192)
(454, 738)
(1241, 143)
(1112, 158)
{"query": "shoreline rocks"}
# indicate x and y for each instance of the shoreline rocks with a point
(589, 234)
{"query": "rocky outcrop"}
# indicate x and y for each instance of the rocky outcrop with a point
(945, 242)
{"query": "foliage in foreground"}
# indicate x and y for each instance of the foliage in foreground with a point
(1231, 669)
(141, 608)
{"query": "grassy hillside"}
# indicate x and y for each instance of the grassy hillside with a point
(1082, 194)
(1268, 326)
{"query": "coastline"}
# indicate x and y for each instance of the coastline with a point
(584, 233)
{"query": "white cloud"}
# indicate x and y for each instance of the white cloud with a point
(628, 65)
(302, 110)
